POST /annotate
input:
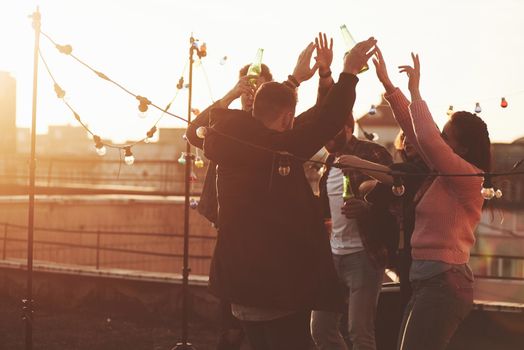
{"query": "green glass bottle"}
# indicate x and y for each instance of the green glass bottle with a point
(347, 193)
(350, 42)
(256, 67)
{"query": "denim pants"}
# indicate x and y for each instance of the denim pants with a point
(437, 307)
(364, 282)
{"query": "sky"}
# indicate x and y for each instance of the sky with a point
(470, 50)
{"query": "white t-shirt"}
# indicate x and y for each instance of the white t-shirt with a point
(345, 238)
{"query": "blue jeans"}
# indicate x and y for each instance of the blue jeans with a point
(364, 281)
(437, 307)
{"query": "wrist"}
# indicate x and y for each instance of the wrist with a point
(324, 73)
(415, 95)
(388, 86)
(293, 80)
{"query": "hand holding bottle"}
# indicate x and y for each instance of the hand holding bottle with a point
(355, 59)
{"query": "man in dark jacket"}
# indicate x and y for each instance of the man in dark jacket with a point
(272, 259)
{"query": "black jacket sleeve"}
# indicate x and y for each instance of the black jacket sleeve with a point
(303, 140)
(201, 120)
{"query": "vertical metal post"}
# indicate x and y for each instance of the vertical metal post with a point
(4, 249)
(183, 344)
(27, 303)
(98, 249)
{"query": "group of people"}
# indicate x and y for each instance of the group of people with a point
(286, 262)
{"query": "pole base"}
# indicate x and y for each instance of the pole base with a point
(184, 346)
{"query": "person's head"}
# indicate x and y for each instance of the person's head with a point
(265, 76)
(404, 147)
(336, 143)
(468, 136)
(274, 105)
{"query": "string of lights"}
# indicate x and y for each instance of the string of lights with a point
(488, 191)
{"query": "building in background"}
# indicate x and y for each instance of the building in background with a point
(7, 113)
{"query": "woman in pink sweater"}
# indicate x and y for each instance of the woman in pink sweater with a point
(447, 211)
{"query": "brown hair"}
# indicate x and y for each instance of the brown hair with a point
(271, 98)
(472, 133)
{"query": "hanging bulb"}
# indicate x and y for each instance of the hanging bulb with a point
(223, 60)
(503, 103)
(99, 146)
(182, 159)
(284, 166)
(201, 132)
(202, 52)
(450, 111)
(193, 203)
(143, 106)
(150, 134)
(199, 163)
(372, 110)
(478, 109)
(60, 93)
(180, 84)
(129, 158)
(398, 188)
(498, 194)
(186, 86)
(195, 111)
(487, 192)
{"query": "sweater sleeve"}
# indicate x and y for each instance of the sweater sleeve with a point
(400, 106)
(440, 156)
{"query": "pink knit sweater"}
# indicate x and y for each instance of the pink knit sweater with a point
(449, 211)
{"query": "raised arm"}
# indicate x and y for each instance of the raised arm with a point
(398, 102)
(372, 169)
(440, 156)
(241, 87)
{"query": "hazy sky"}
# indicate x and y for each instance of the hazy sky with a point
(471, 50)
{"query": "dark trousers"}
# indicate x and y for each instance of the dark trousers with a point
(287, 333)
(231, 332)
(437, 307)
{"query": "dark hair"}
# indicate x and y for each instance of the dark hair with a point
(271, 98)
(472, 133)
(264, 73)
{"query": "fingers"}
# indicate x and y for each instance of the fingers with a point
(371, 53)
(331, 44)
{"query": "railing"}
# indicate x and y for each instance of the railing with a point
(98, 247)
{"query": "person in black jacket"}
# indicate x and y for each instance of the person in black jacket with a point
(272, 259)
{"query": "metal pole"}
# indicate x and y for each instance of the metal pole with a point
(184, 345)
(98, 249)
(27, 303)
(4, 250)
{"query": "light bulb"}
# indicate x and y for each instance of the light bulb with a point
(398, 188)
(478, 109)
(150, 134)
(193, 203)
(201, 132)
(199, 163)
(284, 170)
(450, 111)
(498, 194)
(223, 60)
(487, 193)
(372, 110)
(142, 115)
(147, 140)
(60, 93)
(182, 159)
(129, 158)
(503, 103)
(195, 111)
(101, 151)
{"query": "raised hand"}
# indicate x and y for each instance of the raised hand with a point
(303, 70)
(359, 55)
(242, 88)
(381, 69)
(324, 53)
(414, 77)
